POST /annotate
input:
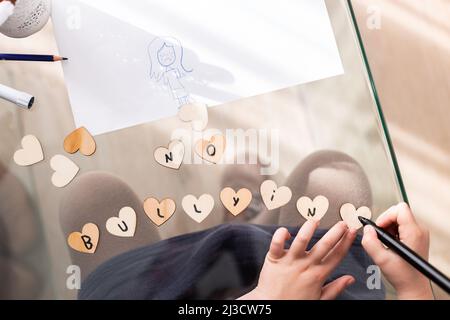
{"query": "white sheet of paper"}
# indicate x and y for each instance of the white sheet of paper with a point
(135, 62)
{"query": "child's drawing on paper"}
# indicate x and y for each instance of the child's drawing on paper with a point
(167, 68)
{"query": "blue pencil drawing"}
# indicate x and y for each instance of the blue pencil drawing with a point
(167, 67)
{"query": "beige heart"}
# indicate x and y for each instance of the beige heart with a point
(211, 150)
(198, 209)
(172, 156)
(124, 225)
(274, 197)
(235, 202)
(31, 152)
(350, 215)
(65, 170)
(312, 209)
(85, 241)
(159, 212)
(80, 139)
(196, 113)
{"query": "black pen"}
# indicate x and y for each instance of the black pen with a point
(410, 256)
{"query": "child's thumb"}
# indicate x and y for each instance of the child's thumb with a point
(334, 288)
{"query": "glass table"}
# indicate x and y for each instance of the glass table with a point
(330, 135)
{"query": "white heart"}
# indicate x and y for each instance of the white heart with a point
(65, 170)
(197, 113)
(172, 156)
(274, 197)
(31, 152)
(198, 209)
(312, 209)
(350, 215)
(124, 225)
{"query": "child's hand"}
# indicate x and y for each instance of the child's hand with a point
(407, 281)
(299, 274)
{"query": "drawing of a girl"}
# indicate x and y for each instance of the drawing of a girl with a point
(166, 67)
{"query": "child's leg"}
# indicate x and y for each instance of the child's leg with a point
(332, 174)
(95, 197)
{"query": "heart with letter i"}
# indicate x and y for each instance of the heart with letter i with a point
(273, 196)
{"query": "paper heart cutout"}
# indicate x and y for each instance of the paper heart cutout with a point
(85, 241)
(159, 212)
(313, 209)
(80, 139)
(211, 150)
(124, 225)
(235, 202)
(349, 215)
(31, 152)
(65, 170)
(274, 197)
(198, 209)
(172, 156)
(196, 113)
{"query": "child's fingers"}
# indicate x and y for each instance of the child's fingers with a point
(338, 253)
(279, 238)
(334, 288)
(304, 235)
(397, 215)
(373, 246)
(328, 241)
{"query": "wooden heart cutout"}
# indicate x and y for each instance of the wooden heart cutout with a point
(235, 202)
(85, 241)
(313, 209)
(274, 197)
(124, 225)
(65, 170)
(159, 212)
(80, 139)
(31, 152)
(172, 156)
(196, 113)
(198, 209)
(349, 215)
(211, 150)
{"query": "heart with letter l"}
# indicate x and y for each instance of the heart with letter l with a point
(65, 170)
(211, 150)
(235, 202)
(85, 241)
(274, 197)
(159, 212)
(172, 156)
(313, 209)
(124, 225)
(196, 113)
(80, 139)
(350, 215)
(198, 209)
(30, 153)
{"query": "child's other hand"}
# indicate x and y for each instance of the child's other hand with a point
(299, 274)
(408, 282)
